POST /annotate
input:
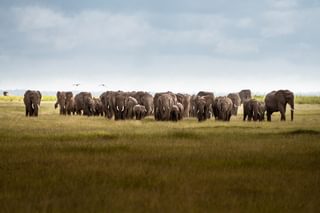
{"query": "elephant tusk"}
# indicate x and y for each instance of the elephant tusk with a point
(117, 108)
(122, 109)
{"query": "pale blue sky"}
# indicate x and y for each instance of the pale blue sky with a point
(178, 45)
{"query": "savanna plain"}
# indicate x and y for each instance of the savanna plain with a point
(56, 163)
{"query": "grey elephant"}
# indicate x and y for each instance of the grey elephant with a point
(201, 108)
(161, 112)
(184, 99)
(103, 102)
(209, 96)
(62, 101)
(98, 107)
(176, 113)
(139, 111)
(145, 99)
(108, 100)
(262, 110)
(119, 107)
(130, 103)
(245, 94)
(223, 108)
(163, 106)
(235, 98)
(32, 100)
(70, 103)
(276, 101)
(84, 104)
(253, 109)
(215, 110)
(192, 110)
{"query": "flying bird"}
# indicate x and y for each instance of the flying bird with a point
(76, 85)
(102, 85)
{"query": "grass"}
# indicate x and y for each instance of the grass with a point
(78, 164)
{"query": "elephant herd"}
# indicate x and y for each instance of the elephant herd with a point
(166, 106)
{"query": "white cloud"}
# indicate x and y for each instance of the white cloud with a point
(230, 46)
(102, 30)
(279, 23)
(283, 4)
(88, 28)
(245, 23)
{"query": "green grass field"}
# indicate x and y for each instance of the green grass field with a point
(89, 164)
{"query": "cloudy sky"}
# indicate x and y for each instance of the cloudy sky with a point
(178, 45)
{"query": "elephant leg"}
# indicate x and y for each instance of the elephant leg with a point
(269, 115)
(27, 111)
(283, 115)
(229, 116)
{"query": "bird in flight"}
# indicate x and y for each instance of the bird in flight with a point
(102, 85)
(76, 85)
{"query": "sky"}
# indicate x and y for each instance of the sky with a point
(177, 45)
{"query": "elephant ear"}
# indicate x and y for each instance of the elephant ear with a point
(39, 93)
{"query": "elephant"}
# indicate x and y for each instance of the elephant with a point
(253, 109)
(62, 101)
(139, 111)
(262, 110)
(181, 110)
(103, 102)
(158, 110)
(84, 103)
(215, 110)
(163, 106)
(184, 99)
(119, 107)
(70, 106)
(130, 103)
(245, 94)
(146, 100)
(223, 107)
(276, 101)
(98, 107)
(176, 112)
(192, 110)
(108, 100)
(5, 93)
(250, 109)
(201, 108)
(32, 100)
(236, 102)
(209, 96)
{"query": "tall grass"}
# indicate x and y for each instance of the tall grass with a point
(90, 164)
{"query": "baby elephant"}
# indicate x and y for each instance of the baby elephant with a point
(176, 113)
(139, 111)
(253, 109)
